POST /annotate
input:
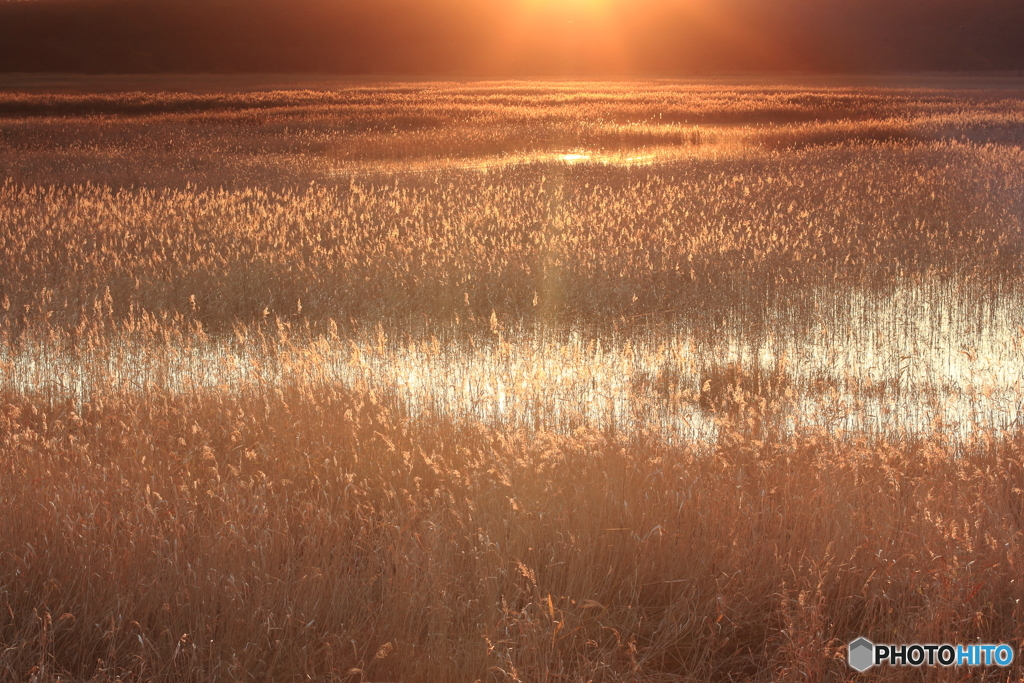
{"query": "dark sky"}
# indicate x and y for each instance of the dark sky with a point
(510, 37)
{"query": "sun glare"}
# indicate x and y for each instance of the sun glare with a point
(567, 36)
(571, 5)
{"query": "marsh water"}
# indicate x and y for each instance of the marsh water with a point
(939, 357)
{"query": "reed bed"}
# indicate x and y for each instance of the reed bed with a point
(583, 243)
(297, 533)
(508, 382)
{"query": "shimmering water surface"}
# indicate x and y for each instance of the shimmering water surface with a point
(932, 357)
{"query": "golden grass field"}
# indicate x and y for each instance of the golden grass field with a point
(508, 381)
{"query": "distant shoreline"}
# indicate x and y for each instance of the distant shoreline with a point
(69, 82)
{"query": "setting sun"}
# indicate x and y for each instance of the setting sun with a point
(574, 7)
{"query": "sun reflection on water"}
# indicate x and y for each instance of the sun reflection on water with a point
(902, 364)
(623, 158)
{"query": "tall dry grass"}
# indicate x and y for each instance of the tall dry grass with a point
(323, 534)
(215, 465)
(579, 244)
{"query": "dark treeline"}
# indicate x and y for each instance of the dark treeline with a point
(509, 37)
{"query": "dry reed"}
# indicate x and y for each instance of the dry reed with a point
(216, 312)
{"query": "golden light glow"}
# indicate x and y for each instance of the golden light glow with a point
(572, 36)
(622, 37)
(581, 6)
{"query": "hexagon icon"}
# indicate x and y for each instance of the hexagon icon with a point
(861, 654)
